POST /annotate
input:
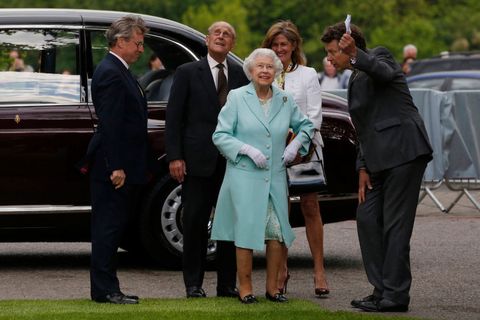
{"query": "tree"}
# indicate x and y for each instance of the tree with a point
(432, 25)
(202, 16)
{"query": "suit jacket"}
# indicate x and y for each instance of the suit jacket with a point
(192, 114)
(121, 140)
(389, 128)
(241, 210)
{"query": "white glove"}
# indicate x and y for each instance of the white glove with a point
(254, 154)
(291, 150)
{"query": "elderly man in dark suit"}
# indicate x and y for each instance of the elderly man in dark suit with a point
(393, 151)
(198, 92)
(118, 153)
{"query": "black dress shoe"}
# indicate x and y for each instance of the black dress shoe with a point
(357, 302)
(248, 299)
(386, 305)
(131, 296)
(117, 298)
(383, 305)
(229, 292)
(195, 292)
(277, 297)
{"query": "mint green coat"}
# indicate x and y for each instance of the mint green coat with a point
(241, 210)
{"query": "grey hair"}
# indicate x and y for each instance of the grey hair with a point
(249, 61)
(124, 28)
(409, 47)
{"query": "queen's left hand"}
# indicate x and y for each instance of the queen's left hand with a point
(290, 152)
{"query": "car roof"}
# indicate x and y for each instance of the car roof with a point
(474, 74)
(16, 17)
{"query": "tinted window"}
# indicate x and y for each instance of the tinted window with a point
(39, 66)
(435, 84)
(445, 64)
(155, 68)
(465, 84)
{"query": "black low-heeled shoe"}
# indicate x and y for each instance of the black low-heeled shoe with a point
(248, 299)
(277, 297)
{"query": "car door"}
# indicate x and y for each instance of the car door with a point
(45, 124)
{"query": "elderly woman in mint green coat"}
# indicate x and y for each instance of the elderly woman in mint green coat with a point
(252, 207)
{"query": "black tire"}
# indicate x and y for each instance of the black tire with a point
(161, 229)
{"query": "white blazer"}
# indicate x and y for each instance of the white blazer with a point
(303, 84)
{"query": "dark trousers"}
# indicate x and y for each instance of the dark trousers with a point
(111, 210)
(199, 195)
(385, 224)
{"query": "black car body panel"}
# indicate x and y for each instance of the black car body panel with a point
(47, 118)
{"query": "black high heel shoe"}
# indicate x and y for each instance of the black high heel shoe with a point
(319, 292)
(248, 299)
(277, 297)
(285, 282)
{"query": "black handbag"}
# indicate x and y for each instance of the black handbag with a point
(308, 175)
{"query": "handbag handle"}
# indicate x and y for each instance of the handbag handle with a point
(311, 142)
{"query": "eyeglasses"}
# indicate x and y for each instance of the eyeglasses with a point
(223, 34)
(139, 44)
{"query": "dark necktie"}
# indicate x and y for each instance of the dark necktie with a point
(222, 88)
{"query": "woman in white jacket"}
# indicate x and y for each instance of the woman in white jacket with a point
(301, 81)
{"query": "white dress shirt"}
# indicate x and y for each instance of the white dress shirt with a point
(213, 68)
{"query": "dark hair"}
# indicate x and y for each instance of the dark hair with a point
(290, 31)
(336, 32)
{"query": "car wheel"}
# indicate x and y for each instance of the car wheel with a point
(161, 223)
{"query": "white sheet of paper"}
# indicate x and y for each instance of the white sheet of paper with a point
(347, 23)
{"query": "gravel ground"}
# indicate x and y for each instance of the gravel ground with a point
(445, 266)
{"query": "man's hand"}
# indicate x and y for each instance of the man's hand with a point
(363, 184)
(118, 178)
(347, 45)
(178, 170)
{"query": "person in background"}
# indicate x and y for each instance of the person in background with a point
(301, 81)
(329, 79)
(344, 78)
(154, 63)
(393, 152)
(17, 63)
(118, 153)
(198, 93)
(155, 71)
(409, 56)
(410, 51)
(252, 207)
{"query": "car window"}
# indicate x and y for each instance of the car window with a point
(452, 63)
(154, 69)
(465, 84)
(39, 66)
(435, 84)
